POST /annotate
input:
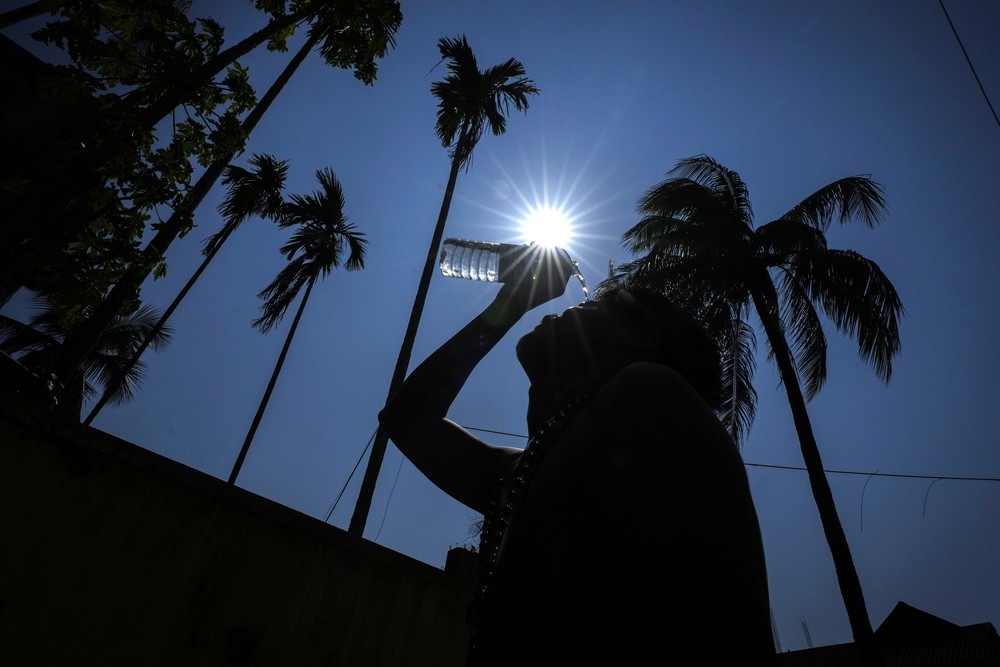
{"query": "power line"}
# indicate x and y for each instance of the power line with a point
(936, 478)
(336, 500)
(800, 468)
(880, 474)
(968, 60)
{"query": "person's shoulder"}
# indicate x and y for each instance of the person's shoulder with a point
(648, 419)
(644, 396)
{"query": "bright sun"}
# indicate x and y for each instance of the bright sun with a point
(547, 226)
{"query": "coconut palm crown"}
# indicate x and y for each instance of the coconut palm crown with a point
(36, 345)
(698, 244)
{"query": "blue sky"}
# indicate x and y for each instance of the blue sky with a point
(790, 94)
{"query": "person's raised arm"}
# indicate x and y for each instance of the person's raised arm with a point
(457, 462)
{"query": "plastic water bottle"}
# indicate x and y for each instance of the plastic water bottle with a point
(490, 262)
(479, 260)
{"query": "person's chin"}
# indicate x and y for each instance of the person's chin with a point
(531, 356)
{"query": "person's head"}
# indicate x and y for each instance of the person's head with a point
(598, 338)
(672, 337)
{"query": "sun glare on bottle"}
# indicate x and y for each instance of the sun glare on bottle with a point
(548, 227)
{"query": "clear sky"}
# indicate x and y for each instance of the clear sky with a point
(792, 95)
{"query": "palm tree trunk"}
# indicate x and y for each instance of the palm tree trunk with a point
(360, 516)
(174, 97)
(161, 322)
(840, 551)
(270, 385)
(76, 347)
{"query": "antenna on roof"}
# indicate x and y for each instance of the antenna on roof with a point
(774, 633)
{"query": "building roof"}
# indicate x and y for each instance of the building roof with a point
(910, 637)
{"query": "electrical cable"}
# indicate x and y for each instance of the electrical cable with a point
(969, 60)
(336, 500)
(388, 500)
(800, 468)
(879, 474)
(869, 475)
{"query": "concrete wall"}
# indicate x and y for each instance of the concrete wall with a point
(113, 555)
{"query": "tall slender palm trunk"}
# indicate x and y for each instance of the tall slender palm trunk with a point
(174, 97)
(270, 385)
(840, 551)
(361, 509)
(162, 321)
(76, 347)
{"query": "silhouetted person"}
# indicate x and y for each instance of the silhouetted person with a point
(624, 533)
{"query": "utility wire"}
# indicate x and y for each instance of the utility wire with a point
(778, 467)
(389, 500)
(968, 60)
(869, 475)
(336, 500)
(880, 474)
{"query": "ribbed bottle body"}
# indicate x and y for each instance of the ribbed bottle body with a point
(473, 260)
(490, 262)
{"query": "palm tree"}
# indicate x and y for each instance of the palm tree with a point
(250, 193)
(316, 247)
(36, 344)
(353, 35)
(469, 102)
(349, 35)
(77, 346)
(701, 248)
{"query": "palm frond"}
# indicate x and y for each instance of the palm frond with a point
(858, 297)
(684, 199)
(725, 184)
(851, 198)
(357, 245)
(807, 342)
(17, 338)
(323, 206)
(36, 346)
(683, 216)
(124, 335)
(280, 293)
(250, 193)
(470, 101)
(106, 371)
(668, 235)
(315, 247)
(739, 404)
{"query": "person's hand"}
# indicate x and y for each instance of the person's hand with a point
(536, 275)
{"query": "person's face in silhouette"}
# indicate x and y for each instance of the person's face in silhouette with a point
(567, 348)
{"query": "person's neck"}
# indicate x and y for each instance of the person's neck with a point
(544, 401)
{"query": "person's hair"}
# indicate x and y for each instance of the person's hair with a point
(684, 344)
